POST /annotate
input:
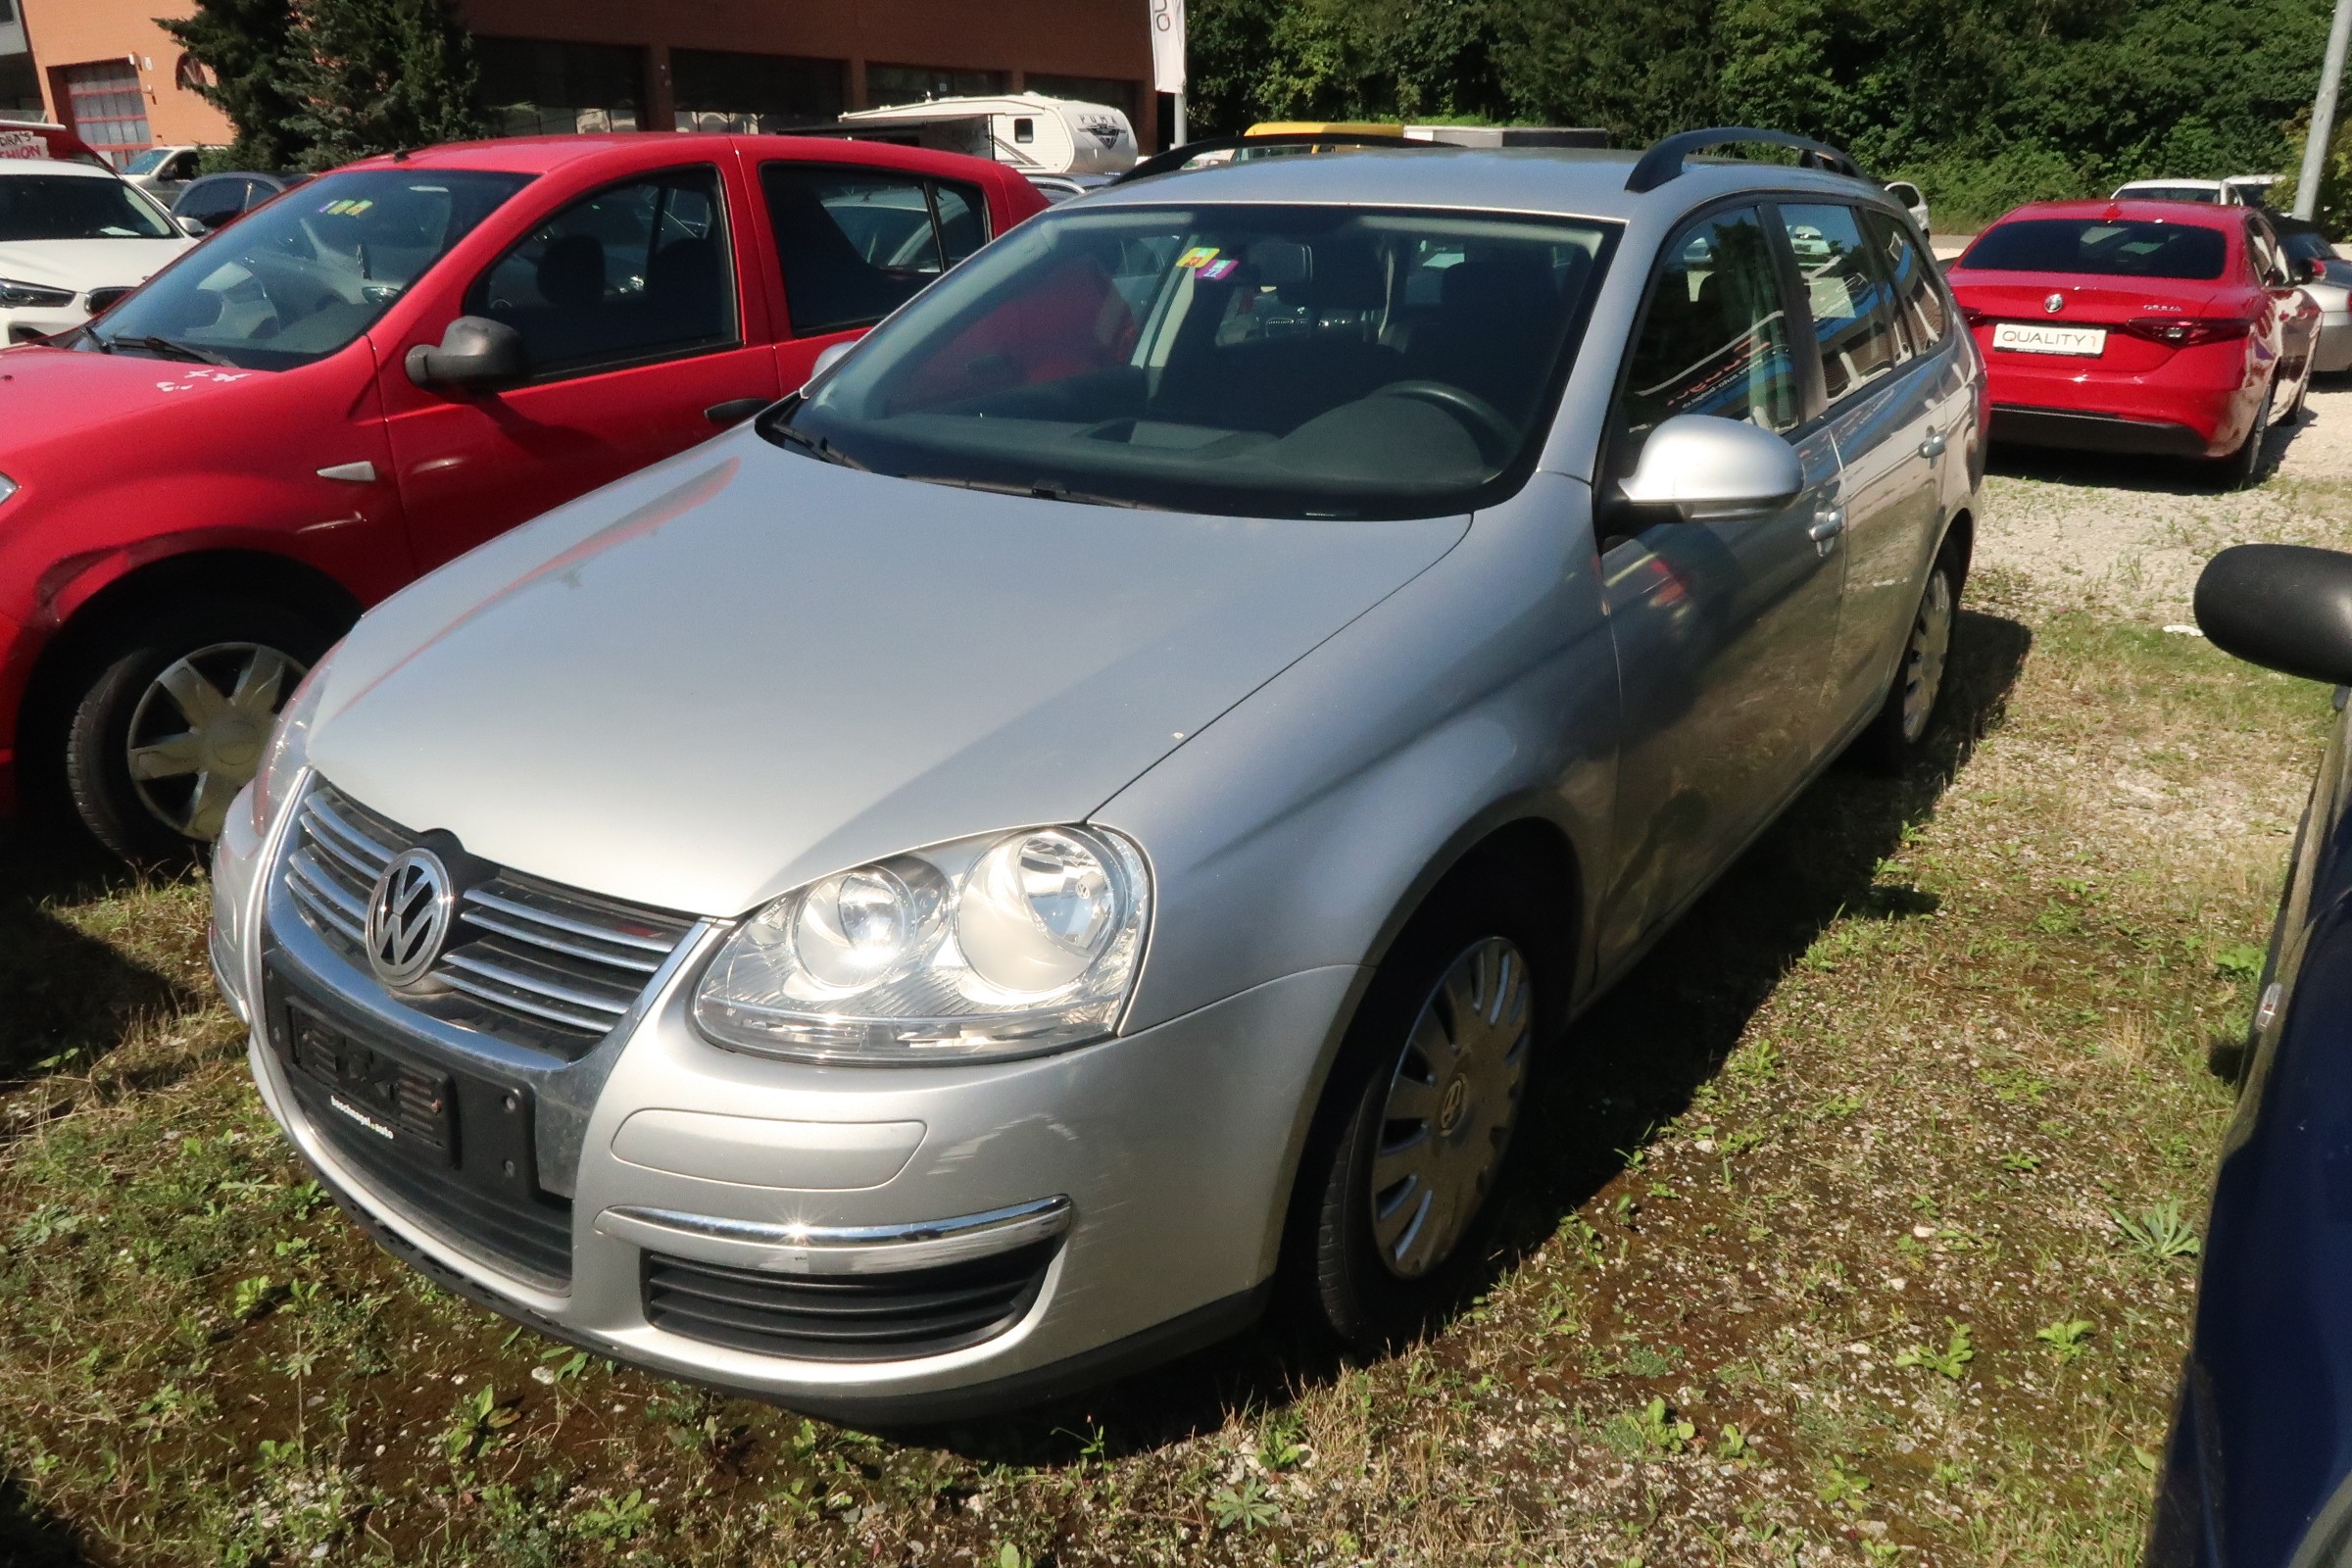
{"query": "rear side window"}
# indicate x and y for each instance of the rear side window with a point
(2116, 247)
(633, 273)
(1715, 338)
(857, 243)
(1853, 303)
(1918, 301)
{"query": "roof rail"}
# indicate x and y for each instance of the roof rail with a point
(1176, 158)
(1664, 161)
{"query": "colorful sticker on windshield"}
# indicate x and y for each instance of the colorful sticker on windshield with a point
(1197, 256)
(347, 207)
(1218, 271)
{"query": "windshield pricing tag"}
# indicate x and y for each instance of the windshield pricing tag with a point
(1197, 256)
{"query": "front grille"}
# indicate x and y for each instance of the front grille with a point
(855, 1317)
(552, 966)
(527, 1233)
(101, 298)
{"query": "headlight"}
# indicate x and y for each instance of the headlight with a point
(289, 749)
(19, 296)
(1006, 946)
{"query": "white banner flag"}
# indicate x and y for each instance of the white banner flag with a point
(1168, 45)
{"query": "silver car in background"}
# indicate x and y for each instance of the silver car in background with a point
(943, 894)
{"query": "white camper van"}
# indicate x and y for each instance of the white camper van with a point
(1034, 133)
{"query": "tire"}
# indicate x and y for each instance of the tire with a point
(2243, 469)
(1898, 734)
(236, 659)
(1448, 1038)
(2295, 410)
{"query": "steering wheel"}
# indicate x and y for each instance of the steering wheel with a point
(1496, 437)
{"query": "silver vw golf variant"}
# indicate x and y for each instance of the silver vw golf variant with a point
(1104, 800)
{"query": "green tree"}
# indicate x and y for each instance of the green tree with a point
(379, 75)
(242, 46)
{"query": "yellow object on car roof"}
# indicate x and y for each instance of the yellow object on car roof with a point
(1323, 127)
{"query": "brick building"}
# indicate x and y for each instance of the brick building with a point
(105, 68)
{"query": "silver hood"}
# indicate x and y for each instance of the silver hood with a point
(744, 669)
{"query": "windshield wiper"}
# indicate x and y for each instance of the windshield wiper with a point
(816, 446)
(1042, 490)
(163, 348)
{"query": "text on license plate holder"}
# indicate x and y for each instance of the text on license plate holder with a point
(2019, 337)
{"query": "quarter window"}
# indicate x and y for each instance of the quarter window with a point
(857, 243)
(1918, 300)
(633, 273)
(1853, 305)
(1715, 338)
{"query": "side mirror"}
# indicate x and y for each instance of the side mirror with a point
(193, 228)
(2282, 606)
(1715, 471)
(475, 352)
(829, 356)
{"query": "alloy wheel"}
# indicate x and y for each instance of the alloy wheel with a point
(1924, 660)
(1452, 1102)
(197, 734)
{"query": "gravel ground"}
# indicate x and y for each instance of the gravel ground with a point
(2126, 536)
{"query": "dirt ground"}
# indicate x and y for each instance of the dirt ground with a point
(1858, 1226)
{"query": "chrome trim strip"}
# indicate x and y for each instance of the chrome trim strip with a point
(578, 928)
(498, 998)
(359, 842)
(632, 961)
(814, 1250)
(332, 904)
(465, 958)
(318, 836)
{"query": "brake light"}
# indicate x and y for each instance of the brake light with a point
(2187, 331)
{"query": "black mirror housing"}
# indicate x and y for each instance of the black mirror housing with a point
(2283, 607)
(475, 352)
(2304, 269)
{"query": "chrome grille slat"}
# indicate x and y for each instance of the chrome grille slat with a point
(524, 957)
(516, 930)
(657, 947)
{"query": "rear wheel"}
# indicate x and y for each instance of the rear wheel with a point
(1900, 731)
(1415, 1131)
(170, 716)
(2243, 469)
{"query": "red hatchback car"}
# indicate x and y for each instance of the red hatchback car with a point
(2138, 326)
(380, 370)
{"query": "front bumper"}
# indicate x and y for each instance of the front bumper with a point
(1166, 1157)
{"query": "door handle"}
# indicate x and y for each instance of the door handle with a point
(735, 410)
(1828, 523)
(1932, 447)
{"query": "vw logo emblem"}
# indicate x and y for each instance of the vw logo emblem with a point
(408, 915)
(2054, 303)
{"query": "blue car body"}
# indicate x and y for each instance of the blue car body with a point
(2258, 1473)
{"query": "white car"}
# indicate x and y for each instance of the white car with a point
(2211, 192)
(1914, 201)
(163, 172)
(74, 239)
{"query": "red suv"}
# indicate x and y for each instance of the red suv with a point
(380, 370)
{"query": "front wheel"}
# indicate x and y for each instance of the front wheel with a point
(1416, 1129)
(1899, 732)
(171, 720)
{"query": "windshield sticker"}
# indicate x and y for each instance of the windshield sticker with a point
(1197, 256)
(347, 207)
(1218, 271)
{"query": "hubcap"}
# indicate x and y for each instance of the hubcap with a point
(1450, 1105)
(1923, 661)
(197, 735)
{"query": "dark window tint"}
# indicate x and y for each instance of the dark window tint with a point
(75, 207)
(857, 243)
(2116, 247)
(1715, 338)
(635, 272)
(2269, 264)
(1851, 302)
(1918, 300)
(911, 85)
(214, 202)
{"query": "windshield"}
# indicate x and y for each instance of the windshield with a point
(145, 162)
(1252, 360)
(76, 207)
(2097, 245)
(304, 276)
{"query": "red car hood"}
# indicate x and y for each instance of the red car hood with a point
(53, 400)
(2025, 296)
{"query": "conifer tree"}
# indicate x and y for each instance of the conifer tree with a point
(242, 46)
(378, 75)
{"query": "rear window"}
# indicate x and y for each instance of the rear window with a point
(2114, 247)
(2171, 193)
